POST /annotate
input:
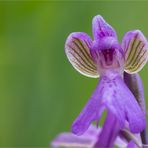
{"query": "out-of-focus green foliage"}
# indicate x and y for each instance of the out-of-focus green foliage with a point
(40, 92)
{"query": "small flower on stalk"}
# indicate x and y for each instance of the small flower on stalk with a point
(105, 57)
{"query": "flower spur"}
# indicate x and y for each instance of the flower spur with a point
(105, 57)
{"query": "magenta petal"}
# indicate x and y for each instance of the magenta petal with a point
(91, 112)
(123, 104)
(101, 28)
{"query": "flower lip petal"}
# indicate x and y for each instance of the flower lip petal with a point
(119, 99)
(115, 95)
(77, 49)
(135, 116)
(135, 47)
(101, 28)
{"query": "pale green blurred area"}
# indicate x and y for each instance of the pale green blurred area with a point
(40, 93)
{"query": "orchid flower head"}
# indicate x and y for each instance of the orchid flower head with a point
(106, 57)
(86, 55)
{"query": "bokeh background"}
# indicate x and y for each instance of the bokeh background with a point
(40, 92)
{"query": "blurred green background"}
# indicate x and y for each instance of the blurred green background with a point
(40, 92)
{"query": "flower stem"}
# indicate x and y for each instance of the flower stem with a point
(144, 137)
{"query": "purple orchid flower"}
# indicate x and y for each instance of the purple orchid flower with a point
(105, 57)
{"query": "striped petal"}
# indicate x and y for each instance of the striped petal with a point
(77, 48)
(135, 48)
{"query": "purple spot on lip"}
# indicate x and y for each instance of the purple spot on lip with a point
(108, 56)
